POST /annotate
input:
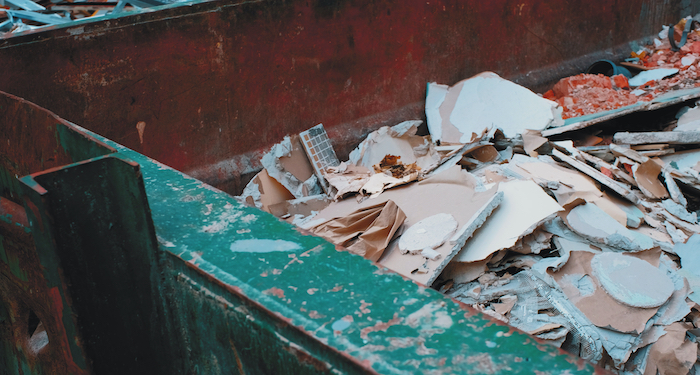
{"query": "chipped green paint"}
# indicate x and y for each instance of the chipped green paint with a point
(77, 146)
(395, 326)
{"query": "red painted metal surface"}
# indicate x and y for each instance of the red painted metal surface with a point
(216, 83)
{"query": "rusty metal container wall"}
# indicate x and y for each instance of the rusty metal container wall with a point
(216, 83)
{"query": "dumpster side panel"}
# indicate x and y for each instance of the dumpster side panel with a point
(213, 84)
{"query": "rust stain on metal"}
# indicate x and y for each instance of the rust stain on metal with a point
(239, 364)
(277, 292)
(306, 358)
(380, 326)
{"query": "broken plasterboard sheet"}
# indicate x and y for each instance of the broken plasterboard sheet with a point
(448, 192)
(319, 151)
(651, 75)
(679, 211)
(379, 182)
(619, 275)
(287, 163)
(532, 140)
(584, 290)
(454, 114)
(264, 191)
(400, 140)
(301, 206)
(430, 232)
(682, 160)
(591, 222)
(366, 231)
(524, 207)
(347, 180)
(689, 121)
(690, 264)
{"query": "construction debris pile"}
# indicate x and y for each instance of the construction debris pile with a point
(22, 15)
(663, 67)
(591, 243)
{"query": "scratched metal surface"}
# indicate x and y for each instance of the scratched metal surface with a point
(218, 82)
(341, 302)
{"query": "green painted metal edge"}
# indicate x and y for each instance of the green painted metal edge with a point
(374, 316)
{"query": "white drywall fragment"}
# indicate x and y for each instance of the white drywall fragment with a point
(430, 232)
(593, 223)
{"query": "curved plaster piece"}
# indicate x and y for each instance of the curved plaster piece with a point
(631, 281)
(430, 232)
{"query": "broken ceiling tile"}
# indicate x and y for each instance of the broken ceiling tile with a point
(319, 151)
(594, 224)
(525, 206)
(483, 102)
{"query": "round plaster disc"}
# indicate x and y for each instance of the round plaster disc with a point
(632, 281)
(430, 232)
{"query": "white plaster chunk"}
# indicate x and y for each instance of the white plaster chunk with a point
(619, 275)
(475, 104)
(594, 224)
(430, 232)
(430, 253)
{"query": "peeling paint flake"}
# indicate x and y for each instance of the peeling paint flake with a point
(263, 246)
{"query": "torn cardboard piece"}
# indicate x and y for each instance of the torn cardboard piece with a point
(287, 163)
(365, 232)
(672, 354)
(647, 177)
(264, 191)
(524, 207)
(472, 105)
(399, 140)
(449, 192)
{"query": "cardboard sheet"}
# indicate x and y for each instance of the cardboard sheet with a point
(485, 101)
(672, 354)
(525, 205)
(450, 192)
(584, 291)
(365, 232)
